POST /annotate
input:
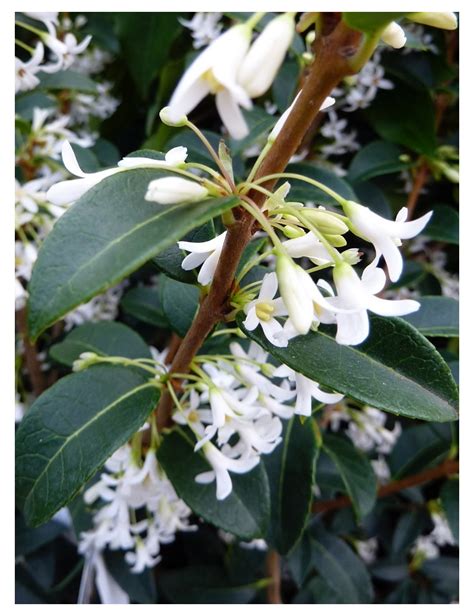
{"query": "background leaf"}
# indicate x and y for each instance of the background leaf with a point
(437, 316)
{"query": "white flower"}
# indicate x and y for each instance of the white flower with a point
(205, 253)
(445, 21)
(205, 27)
(25, 72)
(141, 558)
(65, 50)
(355, 296)
(255, 437)
(306, 389)
(262, 311)
(328, 101)
(266, 54)
(215, 71)
(427, 546)
(381, 469)
(109, 590)
(221, 466)
(394, 36)
(441, 532)
(367, 550)
(300, 294)
(173, 158)
(171, 190)
(385, 235)
(308, 246)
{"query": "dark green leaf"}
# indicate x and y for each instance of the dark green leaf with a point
(202, 584)
(370, 22)
(299, 560)
(66, 80)
(390, 570)
(196, 150)
(376, 158)
(406, 116)
(284, 85)
(86, 158)
(72, 429)
(301, 191)
(450, 502)
(443, 573)
(340, 568)
(413, 273)
(244, 512)
(104, 338)
(317, 591)
(179, 302)
(144, 303)
(396, 369)
(28, 540)
(110, 232)
(141, 588)
(437, 316)
(419, 447)
(409, 527)
(290, 470)
(372, 196)
(26, 103)
(146, 39)
(355, 470)
(444, 225)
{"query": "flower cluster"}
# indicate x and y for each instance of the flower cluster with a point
(140, 510)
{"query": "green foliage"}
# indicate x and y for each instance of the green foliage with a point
(67, 80)
(370, 23)
(376, 158)
(132, 232)
(244, 512)
(290, 470)
(407, 375)
(450, 502)
(437, 316)
(72, 429)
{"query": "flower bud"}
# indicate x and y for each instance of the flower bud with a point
(352, 256)
(84, 361)
(394, 36)
(336, 240)
(445, 21)
(171, 118)
(326, 222)
(265, 56)
(292, 231)
(170, 190)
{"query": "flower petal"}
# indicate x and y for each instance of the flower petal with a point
(231, 115)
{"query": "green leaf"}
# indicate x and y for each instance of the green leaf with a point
(437, 316)
(202, 584)
(419, 447)
(317, 591)
(179, 302)
(104, 338)
(340, 568)
(376, 158)
(355, 470)
(450, 502)
(284, 85)
(26, 103)
(146, 39)
(290, 470)
(396, 369)
(141, 587)
(370, 195)
(301, 191)
(443, 225)
(72, 429)
(370, 22)
(106, 235)
(405, 116)
(244, 512)
(409, 527)
(28, 540)
(66, 80)
(144, 303)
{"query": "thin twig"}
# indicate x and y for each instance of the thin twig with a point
(273, 570)
(446, 468)
(30, 352)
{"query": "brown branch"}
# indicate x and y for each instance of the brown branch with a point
(273, 570)
(330, 66)
(30, 353)
(446, 468)
(421, 177)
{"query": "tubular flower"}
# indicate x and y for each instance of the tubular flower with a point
(205, 253)
(25, 77)
(262, 311)
(385, 235)
(265, 56)
(215, 71)
(357, 296)
(168, 191)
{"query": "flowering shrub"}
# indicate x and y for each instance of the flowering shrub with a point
(236, 294)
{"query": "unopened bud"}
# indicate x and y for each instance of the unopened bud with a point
(85, 360)
(326, 222)
(445, 21)
(352, 256)
(394, 35)
(170, 190)
(172, 117)
(336, 240)
(292, 231)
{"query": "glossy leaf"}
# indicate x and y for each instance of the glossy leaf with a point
(419, 447)
(179, 302)
(103, 338)
(72, 429)
(110, 232)
(437, 316)
(290, 470)
(340, 568)
(376, 158)
(396, 369)
(443, 225)
(144, 303)
(355, 470)
(66, 80)
(450, 502)
(244, 512)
